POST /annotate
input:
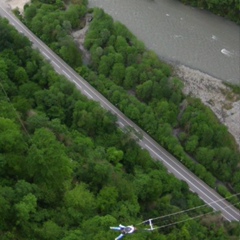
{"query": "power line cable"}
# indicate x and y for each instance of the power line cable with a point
(22, 124)
(18, 117)
(198, 216)
(190, 209)
(152, 219)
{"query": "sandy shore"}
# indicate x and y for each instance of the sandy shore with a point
(17, 4)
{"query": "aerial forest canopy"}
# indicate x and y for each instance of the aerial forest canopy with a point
(225, 8)
(66, 171)
(143, 88)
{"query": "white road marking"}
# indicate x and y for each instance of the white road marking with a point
(151, 149)
(45, 55)
(227, 218)
(88, 94)
(213, 208)
(98, 98)
(55, 64)
(66, 74)
(77, 83)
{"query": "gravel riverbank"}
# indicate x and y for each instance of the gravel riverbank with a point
(214, 94)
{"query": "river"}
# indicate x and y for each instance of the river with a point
(181, 34)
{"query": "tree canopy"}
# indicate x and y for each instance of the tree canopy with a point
(143, 88)
(225, 8)
(68, 172)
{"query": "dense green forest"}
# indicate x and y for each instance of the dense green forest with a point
(225, 8)
(142, 87)
(67, 171)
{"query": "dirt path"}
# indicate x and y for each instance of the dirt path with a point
(79, 37)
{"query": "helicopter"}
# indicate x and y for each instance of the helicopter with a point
(125, 230)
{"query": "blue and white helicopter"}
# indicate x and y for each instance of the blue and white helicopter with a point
(125, 230)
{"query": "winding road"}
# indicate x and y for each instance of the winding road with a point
(207, 194)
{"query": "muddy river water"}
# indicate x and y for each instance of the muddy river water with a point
(181, 34)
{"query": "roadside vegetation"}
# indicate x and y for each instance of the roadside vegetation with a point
(67, 172)
(144, 89)
(226, 8)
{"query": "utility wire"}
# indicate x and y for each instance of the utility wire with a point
(152, 219)
(22, 124)
(18, 117)
(190, 209)
(198, 216)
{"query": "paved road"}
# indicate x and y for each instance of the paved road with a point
(207, 194)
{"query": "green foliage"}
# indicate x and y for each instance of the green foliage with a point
(10, 136)
(80, 203)
(119, 59)
(57, 23)
(68, 52)
(114, 155)
(26, 207)
(235, 88)
(131, 76)
(191, 144)
(226, 8)
(46, 158)
(49, 230)
(6, 197)
(153, 99)
(20, 76)
(106, 200)
(148, 186)
(118, 73)
(66, 171)
(208, 141)
(163, 95)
